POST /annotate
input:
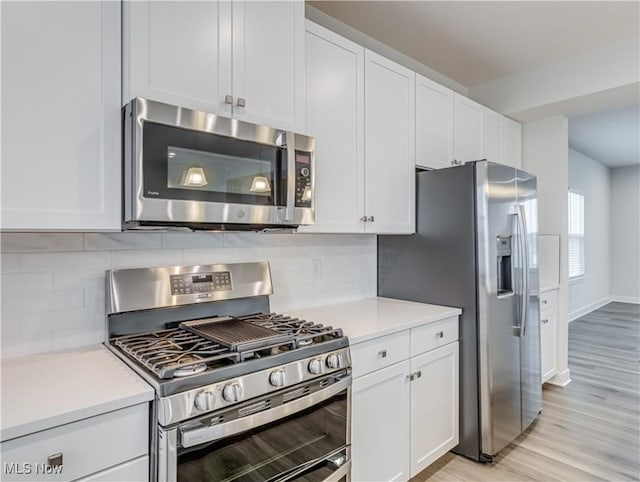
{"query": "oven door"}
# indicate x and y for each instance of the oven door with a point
(191, 168)
(303, 435)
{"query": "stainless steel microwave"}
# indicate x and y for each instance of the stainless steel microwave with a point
(193, 169)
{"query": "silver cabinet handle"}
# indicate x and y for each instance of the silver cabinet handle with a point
(54, 460)
(371, 219)
(364, 219)
(228, 99)
(414, 375)
(382, 353)
(440, 334)
(241, 102)
(545, 320)
(544, 302)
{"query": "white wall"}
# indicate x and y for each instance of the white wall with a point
(53, 292)
(545, 154)
(590, 178)
(625, 234)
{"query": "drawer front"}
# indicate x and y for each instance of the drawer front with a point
(378, 353)
(548, 299)
(432, 335)
(134, 471)
(87, 446)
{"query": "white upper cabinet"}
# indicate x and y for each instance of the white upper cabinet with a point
(469, 131)
(61, 116)
(434, 124)
(389, 146)
(364, 165)
(493, 142)
(512, 143)
(178, 53)
(240, 59)
(335, 117)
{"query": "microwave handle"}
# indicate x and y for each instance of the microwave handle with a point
(291, 178)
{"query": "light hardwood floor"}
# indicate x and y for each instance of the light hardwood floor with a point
(589, 430)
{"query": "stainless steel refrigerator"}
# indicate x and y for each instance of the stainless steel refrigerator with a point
(475, 248)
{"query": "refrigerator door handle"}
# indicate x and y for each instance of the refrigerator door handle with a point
(524, 250)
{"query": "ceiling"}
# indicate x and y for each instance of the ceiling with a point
(473, 42)
(610, 137)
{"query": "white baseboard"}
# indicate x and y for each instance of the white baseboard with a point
(574, 315)
(625, 299)
(561, 379)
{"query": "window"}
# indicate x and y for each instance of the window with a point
(576, 234)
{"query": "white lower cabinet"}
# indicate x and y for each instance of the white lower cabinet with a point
(380, 422)
(404, 415)
(548, 339)
(113, 446)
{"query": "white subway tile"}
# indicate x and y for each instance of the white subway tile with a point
(9, 263)
(120, 241)
(78, 337)
(29, 323)
(26, 283)
(152, 257)
(22, 345)
(24, 242)
(95, 298)
(32, 262)
(192, 240)
(29, 302)
(72, 280)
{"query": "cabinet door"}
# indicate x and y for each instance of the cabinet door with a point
(493, 142)
(512, 143)
(335, 117)
(380, 425)
(61, 116)
(389, 150)
(434, 124)
(268, 63)
(178, 52)
(434, 405)
(548, 343)
(468, 133)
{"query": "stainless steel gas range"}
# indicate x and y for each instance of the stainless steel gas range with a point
(242, 394)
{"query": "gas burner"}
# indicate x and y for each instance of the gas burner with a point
(187, 370)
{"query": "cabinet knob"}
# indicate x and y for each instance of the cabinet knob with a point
(544, 302)
(382, 353)
(364, 219)
(228, 99)
(241, 102)
(545, 320)
(54, 460)
(371, 219)
(440, 334)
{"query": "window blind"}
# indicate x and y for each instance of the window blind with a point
(576, 234)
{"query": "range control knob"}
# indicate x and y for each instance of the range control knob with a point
(204, 400)
(334, 361)
(276, 378)
(304, 172)
(315, 366)
(232, 392)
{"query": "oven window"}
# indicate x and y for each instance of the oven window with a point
(274, 450)
(198, 166)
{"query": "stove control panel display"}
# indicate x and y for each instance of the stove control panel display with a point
(193, 283)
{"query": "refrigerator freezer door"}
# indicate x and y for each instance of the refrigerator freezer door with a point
(530, 341)
(498, 315)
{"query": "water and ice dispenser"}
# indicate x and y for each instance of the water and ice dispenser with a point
(505, 266)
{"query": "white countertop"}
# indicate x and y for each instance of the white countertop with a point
(372, 317)
(544, 289)
(44, 391)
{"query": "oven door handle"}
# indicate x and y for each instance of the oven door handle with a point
(190, 437)
(339, 454)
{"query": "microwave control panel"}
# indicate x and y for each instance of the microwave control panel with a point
(303, 179)
(193, 283)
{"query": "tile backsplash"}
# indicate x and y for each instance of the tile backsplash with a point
(53, 291)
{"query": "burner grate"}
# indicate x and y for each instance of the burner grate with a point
(174, 353)
(237, 335)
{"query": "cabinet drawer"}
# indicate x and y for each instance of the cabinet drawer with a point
(379, 353)
(433, 335)
(87, 446)
(548, 299)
